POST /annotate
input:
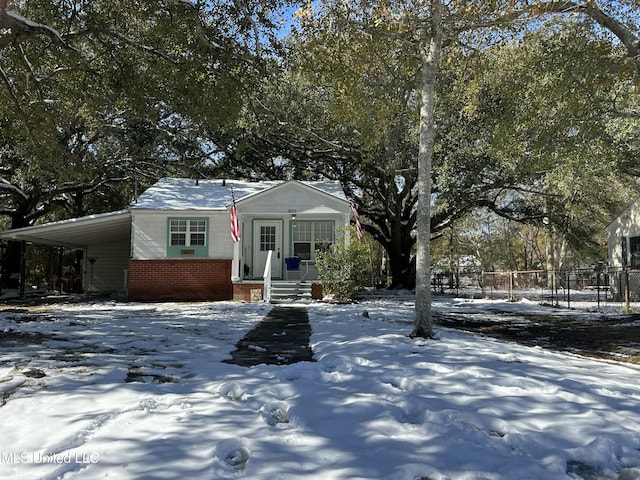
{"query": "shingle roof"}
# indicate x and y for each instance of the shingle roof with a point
(187, 194)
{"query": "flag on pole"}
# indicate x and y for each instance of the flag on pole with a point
(357, 219)
(235, 225)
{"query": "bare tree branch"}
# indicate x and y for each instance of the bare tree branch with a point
(14, 26)
(629, 39)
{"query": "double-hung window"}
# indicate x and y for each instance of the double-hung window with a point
(188, 237)
(309, 237)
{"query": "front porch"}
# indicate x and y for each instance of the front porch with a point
(282, 291)
(278, 233)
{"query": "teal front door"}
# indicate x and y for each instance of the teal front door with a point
(267, 235)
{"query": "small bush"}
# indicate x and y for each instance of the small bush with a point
(343, 271)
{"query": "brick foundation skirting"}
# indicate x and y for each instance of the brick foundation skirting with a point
(249, 292)
(179, 280)
(253, 292)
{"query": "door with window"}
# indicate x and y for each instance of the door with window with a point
(267, 235)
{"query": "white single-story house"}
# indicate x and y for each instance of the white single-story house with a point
(174, 242)
(623, 235)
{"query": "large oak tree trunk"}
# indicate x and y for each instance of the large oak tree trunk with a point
(422, 326)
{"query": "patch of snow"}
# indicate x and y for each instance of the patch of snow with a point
(374, 404)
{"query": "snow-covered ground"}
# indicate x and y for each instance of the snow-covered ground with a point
(138, 391)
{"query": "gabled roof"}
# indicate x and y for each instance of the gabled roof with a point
(189, 194)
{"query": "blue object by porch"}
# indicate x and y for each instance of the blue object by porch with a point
(293, 263)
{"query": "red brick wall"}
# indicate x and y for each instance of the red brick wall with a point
(242, 291)
(179, 280)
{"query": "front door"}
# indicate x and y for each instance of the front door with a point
(267, 235)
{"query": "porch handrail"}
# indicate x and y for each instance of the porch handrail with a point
(266, 276)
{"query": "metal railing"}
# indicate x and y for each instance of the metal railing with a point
(266, 276)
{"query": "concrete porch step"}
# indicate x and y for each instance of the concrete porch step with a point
(290, 291)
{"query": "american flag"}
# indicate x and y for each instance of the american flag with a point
(235, 225)
(357, 219)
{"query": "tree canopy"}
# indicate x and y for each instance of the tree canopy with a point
(485, 145)
(100, 96)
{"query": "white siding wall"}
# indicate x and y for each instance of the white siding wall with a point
(149, 233)
(148, 236)
(249, 236)
(626, 225)
(220, 244)
(112, 260)
(287, 198)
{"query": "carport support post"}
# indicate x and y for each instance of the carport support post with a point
(23, 268)
(60, 260)
(92, 260)
(3, 249)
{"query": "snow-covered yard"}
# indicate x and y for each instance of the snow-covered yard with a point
(138, 391)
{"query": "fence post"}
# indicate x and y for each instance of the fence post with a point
(568, 290)
(511, 299)
(598, 288)
(626, 291)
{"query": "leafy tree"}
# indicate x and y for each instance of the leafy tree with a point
(556, 133)
(346, 107)
(484, 241)
(425, 30)
(101, 98)
(101, 94)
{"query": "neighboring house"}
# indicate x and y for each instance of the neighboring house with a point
(174, 243)
(624, 239)
(624, 254)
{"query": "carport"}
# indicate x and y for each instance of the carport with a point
(104, 239)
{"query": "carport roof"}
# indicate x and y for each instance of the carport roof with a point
(76, 232)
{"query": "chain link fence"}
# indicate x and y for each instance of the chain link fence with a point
(625, 285)
(599, 287)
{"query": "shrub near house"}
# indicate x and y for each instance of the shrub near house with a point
(344, 269)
